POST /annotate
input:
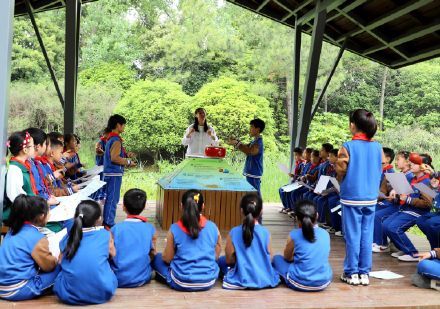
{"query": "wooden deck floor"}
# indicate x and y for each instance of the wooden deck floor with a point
(380, 294)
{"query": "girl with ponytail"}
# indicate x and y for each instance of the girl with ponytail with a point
(86, 276)
(304, 265)
(27, 268)
(247, 264)
(193, 245)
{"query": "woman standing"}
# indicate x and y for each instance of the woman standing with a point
(199, 134)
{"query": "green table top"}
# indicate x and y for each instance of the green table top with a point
(204, 174)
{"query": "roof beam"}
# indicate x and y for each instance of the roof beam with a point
(385, 18)
(406, 37)
(429, 53)
(262, 5)
(379, 38)
(347, 9)
(294, 12)
(327, 5)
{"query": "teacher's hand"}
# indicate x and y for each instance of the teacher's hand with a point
(232, 142)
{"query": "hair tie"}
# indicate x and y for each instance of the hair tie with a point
(27, 140)
(196, 197)
(8, 143)
(81, 215)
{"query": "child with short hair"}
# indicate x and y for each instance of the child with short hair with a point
(304, 265)
(299, 164)
(253, 168)
(387, 206)
(27, 268)
(193, 246)
(387, 166)
(135, 240)
(360, 167)
(247, 264)
(412, 207)
(86, 276)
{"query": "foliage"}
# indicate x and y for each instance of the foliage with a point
(231, 105)
(111, 74)
(328, 128)
(155, 117)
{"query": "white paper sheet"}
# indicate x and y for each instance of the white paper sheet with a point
(306, 185)
(425, 189)
(91, 188)
(322, 184)
(385, 274)
(283, 168)
(399, 183)
(54, 242)
(291, 187)
(66, 210)
(336, 208)
(89, 180)
(335, 183)
(95, 170)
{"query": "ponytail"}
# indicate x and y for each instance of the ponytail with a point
(75, 237)
(26, 208)
(251, 205)
(306, 214)
(192, 203)
(86, 215)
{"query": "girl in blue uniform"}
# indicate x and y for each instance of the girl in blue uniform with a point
(412, 207)
(27, 268)
(188, 262)
(86, 276)
(135, 241)
(304, 266)
(360, 165)
(115, 159)
(248, 251)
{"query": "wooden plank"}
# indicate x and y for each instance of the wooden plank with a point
(233, 206)
(176, 203)
(223, 210)
(205, 199)
(237, 208)
(166, 210)
(228, 207)
(218, 197)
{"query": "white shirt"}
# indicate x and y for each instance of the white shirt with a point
(199, 140)
(14, 182)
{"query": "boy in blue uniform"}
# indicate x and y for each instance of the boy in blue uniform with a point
(247, 264)
(115, 159)
(387, 166)
(253, 168)
(305, 266)
(412, 207)
(135, 240)
(323, 169)
(360, 167)
(297, 169)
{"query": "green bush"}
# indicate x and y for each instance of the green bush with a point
(111, 74)
(328, 128)
(155, 118)
(231, 105)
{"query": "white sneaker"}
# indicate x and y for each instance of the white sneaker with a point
(365, 280)
(380, 249)
(397, 254)
(339, 234)
(351, 280)
(408, 258)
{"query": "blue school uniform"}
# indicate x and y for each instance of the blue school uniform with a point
(99, 160)
(298, 193)
(358, 196)
(194, 266)
(299, 167)
(113, 178)
(387, 169)
(398, 223)
(87, 278)
(253, 268)
(310, 269)
(20, 277)
(253, 167)
(429, 268)
(429, 223)
(133, 241)
(39, 181)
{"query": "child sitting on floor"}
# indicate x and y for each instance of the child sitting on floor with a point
(193, 246)
(304, 265)
(247, 264)
(136, 240)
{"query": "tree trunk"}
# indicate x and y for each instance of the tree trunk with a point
(382, 97)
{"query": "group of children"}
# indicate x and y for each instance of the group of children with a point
(94, 262)
(366, 198)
